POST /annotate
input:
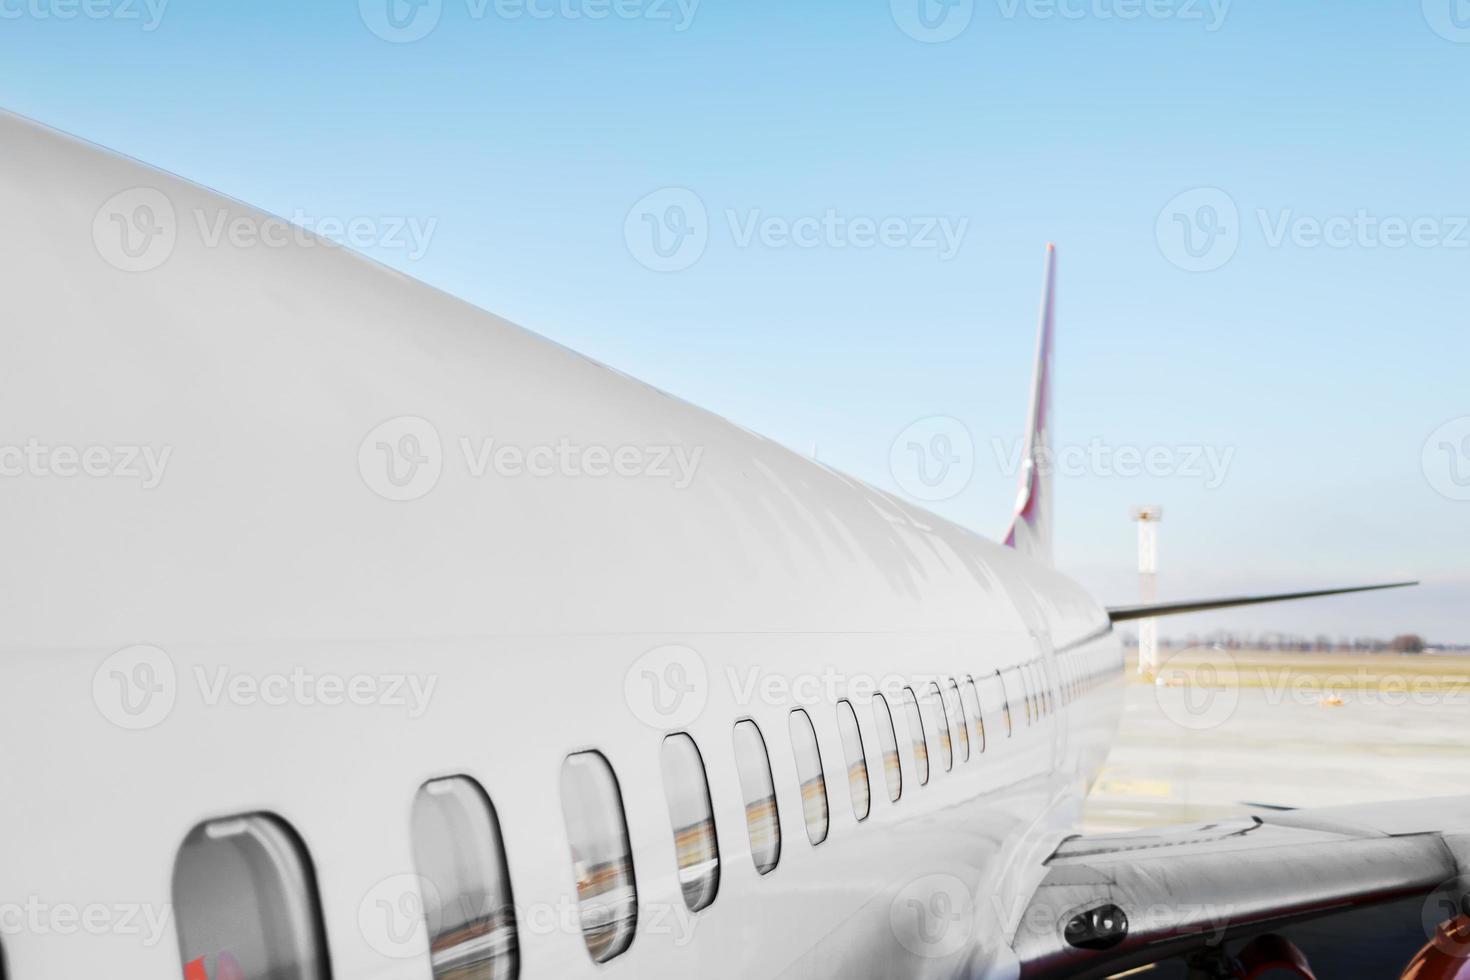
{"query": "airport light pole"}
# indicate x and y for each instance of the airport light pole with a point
(1147, 517)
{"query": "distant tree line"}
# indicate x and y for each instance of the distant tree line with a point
(1292, 643)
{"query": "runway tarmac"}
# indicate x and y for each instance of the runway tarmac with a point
(1298, 730)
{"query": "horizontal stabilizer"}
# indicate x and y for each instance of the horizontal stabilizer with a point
(1120, 614)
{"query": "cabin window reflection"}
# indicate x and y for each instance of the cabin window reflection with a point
(937, 708)
(1005, 701)
(958, 723)
(809, 771)
(696, 847)
(971, 696)
(1025, 691)
(1015, 692)
(888, 744)
(245, 903)
(916, 734)
(602, 860)
(468, 907)
(857, 760)
(762, 818)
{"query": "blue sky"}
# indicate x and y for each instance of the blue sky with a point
(1315, 345)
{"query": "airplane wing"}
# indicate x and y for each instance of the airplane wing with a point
(1112, 902)
(1120, 614)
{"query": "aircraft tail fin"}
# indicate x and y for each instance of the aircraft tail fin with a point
(1031, 524)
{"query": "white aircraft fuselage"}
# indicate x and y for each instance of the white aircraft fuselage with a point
(264, 558)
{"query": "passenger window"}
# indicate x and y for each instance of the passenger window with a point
(957, 720)
(245, 903)
(857, 761)
(1023, 708)
(469, 910)
(602, 859)
(888, 743)
(809, 771)
(1005, 700)
(946, 746)
(696, 847)
(971, 694)
(916, 734)
(1020, 673)
(762, 819)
